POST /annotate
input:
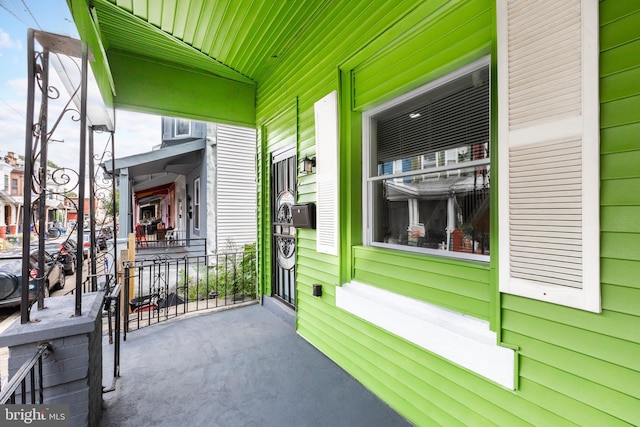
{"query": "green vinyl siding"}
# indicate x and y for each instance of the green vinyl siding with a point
(574, 367)
(425, 388)
(457, 285)
(262, 216)
(313, 67)
(456, 40)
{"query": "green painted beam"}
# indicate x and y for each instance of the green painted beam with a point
(162, 88)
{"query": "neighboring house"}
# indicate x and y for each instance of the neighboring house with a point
(71, 208)
(57, 210)
(200, 183)
(11, 173)
(11, 195)
(475, 181)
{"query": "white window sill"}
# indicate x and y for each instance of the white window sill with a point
(462, 339)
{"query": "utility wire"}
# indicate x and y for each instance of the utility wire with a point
(14, 15)
(33, 17)
(16, 111)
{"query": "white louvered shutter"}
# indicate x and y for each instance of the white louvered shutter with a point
(326, 116)
(548, 150)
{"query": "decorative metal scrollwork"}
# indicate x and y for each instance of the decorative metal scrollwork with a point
(285, 245)
(102, 184)
(284, 214)
(41, 139)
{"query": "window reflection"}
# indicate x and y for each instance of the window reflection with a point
(446, 210)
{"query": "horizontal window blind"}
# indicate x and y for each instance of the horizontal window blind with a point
(453, 115)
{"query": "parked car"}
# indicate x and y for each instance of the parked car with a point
(85, 248)
(11, 277)
(64, 252)
(101, 242)
(71, 246)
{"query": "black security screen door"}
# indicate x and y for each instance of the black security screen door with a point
(284, 234)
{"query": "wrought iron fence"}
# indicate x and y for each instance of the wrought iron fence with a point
(112, 309)
(33, 392)
(172, 246)
(160, 287)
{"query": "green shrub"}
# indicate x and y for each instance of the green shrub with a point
(232, 274)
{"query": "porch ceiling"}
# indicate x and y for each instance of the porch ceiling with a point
(159, 167)
(238, 41)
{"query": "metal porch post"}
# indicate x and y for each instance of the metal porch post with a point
(28, 169)
(82, 174)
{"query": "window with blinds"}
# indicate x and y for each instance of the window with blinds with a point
(454, 115)
(427, 157)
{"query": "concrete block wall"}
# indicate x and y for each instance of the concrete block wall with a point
(72, 371)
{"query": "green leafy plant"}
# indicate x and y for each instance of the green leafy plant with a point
(231, 274)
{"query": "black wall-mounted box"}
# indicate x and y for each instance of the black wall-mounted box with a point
(304, 215)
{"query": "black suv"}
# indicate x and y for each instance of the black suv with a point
(65, 252)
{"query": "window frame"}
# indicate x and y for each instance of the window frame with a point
(176, 122)
(196, 203)
(370, 176)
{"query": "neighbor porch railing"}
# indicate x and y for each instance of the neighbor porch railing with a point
(19, 380)
(160, 287)
(171, 246)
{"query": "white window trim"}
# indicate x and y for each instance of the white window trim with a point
(461, 339)
(587, 126)
(196, 203)
(368, 176)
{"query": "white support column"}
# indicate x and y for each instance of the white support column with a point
(14, 214)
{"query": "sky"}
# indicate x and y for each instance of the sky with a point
(135, 132)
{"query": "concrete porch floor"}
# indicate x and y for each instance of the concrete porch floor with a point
(240, 367)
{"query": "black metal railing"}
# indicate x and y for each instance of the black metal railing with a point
(112, 307)
(190, 246)
(27, 373)
(160, 287)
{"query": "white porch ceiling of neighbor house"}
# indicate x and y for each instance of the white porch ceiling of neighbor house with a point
(159, 167)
